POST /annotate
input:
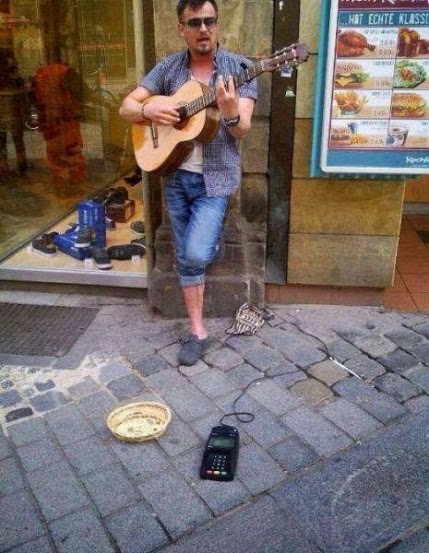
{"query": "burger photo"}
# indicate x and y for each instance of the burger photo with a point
(349, 74)
(408, 104)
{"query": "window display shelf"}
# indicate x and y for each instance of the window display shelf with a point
(30, 265)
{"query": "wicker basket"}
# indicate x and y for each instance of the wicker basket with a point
(139, 422)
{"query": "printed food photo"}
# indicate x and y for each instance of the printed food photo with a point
(408, 105)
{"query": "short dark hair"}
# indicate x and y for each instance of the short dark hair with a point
(193, 5)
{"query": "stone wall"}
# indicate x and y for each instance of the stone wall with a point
(342, 233)
(245, 28)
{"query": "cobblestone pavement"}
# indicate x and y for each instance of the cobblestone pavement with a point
(334, 461)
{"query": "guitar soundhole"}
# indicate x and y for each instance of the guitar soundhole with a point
(183, 117)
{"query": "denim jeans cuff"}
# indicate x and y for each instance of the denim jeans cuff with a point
(191, 280)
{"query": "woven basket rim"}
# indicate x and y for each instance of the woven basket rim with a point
(122, 413)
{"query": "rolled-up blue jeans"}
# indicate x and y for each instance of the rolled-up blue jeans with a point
(196, 222)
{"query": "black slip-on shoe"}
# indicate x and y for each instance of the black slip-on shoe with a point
(192, 350)
(126, 251)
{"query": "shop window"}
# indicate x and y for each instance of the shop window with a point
(65, 66)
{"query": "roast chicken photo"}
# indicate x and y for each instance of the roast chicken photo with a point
(352, 44)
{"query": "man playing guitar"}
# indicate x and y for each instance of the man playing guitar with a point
(197, 192)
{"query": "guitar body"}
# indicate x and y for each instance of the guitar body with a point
(165, 154)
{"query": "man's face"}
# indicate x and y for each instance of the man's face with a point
(201, 37)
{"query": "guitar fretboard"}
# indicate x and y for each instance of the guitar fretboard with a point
(209, 97)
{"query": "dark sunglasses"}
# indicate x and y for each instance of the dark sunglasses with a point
(196, 22)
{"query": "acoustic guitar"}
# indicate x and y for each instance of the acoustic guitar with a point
(160, 149)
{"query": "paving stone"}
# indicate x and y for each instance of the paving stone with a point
(89, 455)
(350, 418)
(398, 361)
(69, 425)
(114, 370)
(165, 492)
(384, 408)
(222, 496)
(365, 367)
(11, 479)
(258, 527)
(213, 383)
(135, 530)
(224, 359)
(422, 328)
(191, 371)
(266, 429)
(293, 454)
(422, 352)
(285, 339)
(165, 381)
(417, 543)
(171, 353)
(39, 545)
(396, 386)
(311, 390)
(327, 372)
(361, 500)
(151, 364)
(11, 397)
(95, 407)
(110, 489)
(355, 390)
(45, 385)
(342, 350)
(306, 356)
(126, 386)
(320, 433)
(257, 470)
(84, 388)
(420, 376)
(417, 404)
(141, 460)
(374, 345)
(264, 358)
(178, 438)
(49, 401)
(19, 520)
(81, 531)
(17, 414)
(188, 402)
(243, 375)
(405, 338)
(57, 490)
(39, 454)
(28, 431)
(242, 344)
(289, 379)
(5, 447)
(276, 399)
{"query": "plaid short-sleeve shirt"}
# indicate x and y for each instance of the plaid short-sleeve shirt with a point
(221, 157)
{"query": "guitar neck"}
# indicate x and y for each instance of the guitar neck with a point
(209, 98)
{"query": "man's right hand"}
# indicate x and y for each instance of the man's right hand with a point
(163, 114)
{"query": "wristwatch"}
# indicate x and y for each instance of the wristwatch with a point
(232, 122)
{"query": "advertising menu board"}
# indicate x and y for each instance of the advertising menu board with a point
(376, 104)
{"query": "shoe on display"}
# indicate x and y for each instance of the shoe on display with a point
(126, 251)
(101, 258)
(110, 224)
(137, 228)
(139, 241)
(84, 237)
(44, 244)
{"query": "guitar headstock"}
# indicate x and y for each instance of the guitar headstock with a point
(291, 56)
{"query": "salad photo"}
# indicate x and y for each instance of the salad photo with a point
(408, 74)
